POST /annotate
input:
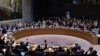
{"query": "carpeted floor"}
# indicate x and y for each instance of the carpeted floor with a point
(59, 40)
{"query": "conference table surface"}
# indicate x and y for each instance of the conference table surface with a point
(59, 31)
